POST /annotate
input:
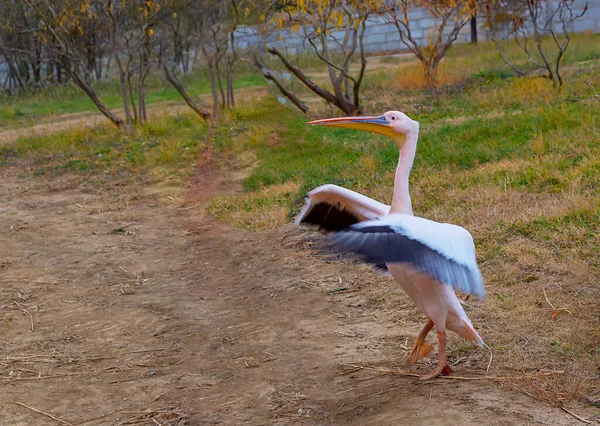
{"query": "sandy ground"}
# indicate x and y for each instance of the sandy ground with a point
(118, 307)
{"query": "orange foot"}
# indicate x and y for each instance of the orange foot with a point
(418, 352)
(444, 370)
(442, 367)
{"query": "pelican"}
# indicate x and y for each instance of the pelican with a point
(429, 260)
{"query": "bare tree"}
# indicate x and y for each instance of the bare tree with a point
(130, 29)
(216, 24)
(58, 26)
(179, 33)
(528, 23)
(334, 32)
(213, 43)
(178, 24)
(450, 16)
(23, 51)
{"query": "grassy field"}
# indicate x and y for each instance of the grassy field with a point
(511, 159)
(49, 102)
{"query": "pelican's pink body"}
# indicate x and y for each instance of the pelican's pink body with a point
(436, 300)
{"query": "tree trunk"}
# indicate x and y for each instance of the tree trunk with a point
(123, 85)
(430, 74)
(213, 85)
(37, 72)
(318, 90)
(230, 94)
(132, 98)
(13, 71)
(50, 72)
(231, 59)
(186, 59)
(80, 81)
(107, 66)
(141, 92)
(474, 29)
(220, 83)
(284, 90)
(59, 75)
(99, 68)
(174, 81)
(23, 67)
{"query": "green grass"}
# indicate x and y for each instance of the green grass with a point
(312, 155)
(28, 107)
(511, 159)
(164, 147)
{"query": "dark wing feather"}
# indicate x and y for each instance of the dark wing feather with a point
(380, 245)
(334, 208)
(330, 217)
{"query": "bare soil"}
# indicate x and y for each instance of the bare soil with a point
(119, 306)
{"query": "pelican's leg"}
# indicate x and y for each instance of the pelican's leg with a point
(420, 349)
(442, 367)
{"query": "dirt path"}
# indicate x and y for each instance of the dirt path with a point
(116, 307)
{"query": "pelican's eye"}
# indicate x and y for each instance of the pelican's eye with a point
(393, 117)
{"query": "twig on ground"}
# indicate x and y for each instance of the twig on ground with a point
(490, 378)
(366, 386)
(146, 350)
(45, 414)
(255, 332)
(103, 330)
(120, 410)
(575, 415)
(228, 402)
(386, 391)
(46, 377)
(26, 311)
(527, 342)
(548, 300)
(428, 401)
(487, 370)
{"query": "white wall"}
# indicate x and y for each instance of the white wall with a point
(381, 36)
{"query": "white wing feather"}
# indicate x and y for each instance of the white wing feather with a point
(452, 241)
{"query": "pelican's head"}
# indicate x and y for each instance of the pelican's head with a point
(394, 124)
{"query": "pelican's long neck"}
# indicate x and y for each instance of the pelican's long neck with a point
(401, 199)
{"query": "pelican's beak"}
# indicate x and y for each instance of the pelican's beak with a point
(379, 124)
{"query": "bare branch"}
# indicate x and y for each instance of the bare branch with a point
(325, 94)
(284, 90)
(540, 17)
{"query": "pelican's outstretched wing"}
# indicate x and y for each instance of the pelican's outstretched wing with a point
(334, 208)
(442, 251)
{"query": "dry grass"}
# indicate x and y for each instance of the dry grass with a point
(410, 77)
(513, 161)
(287, 403)
(259, 210)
